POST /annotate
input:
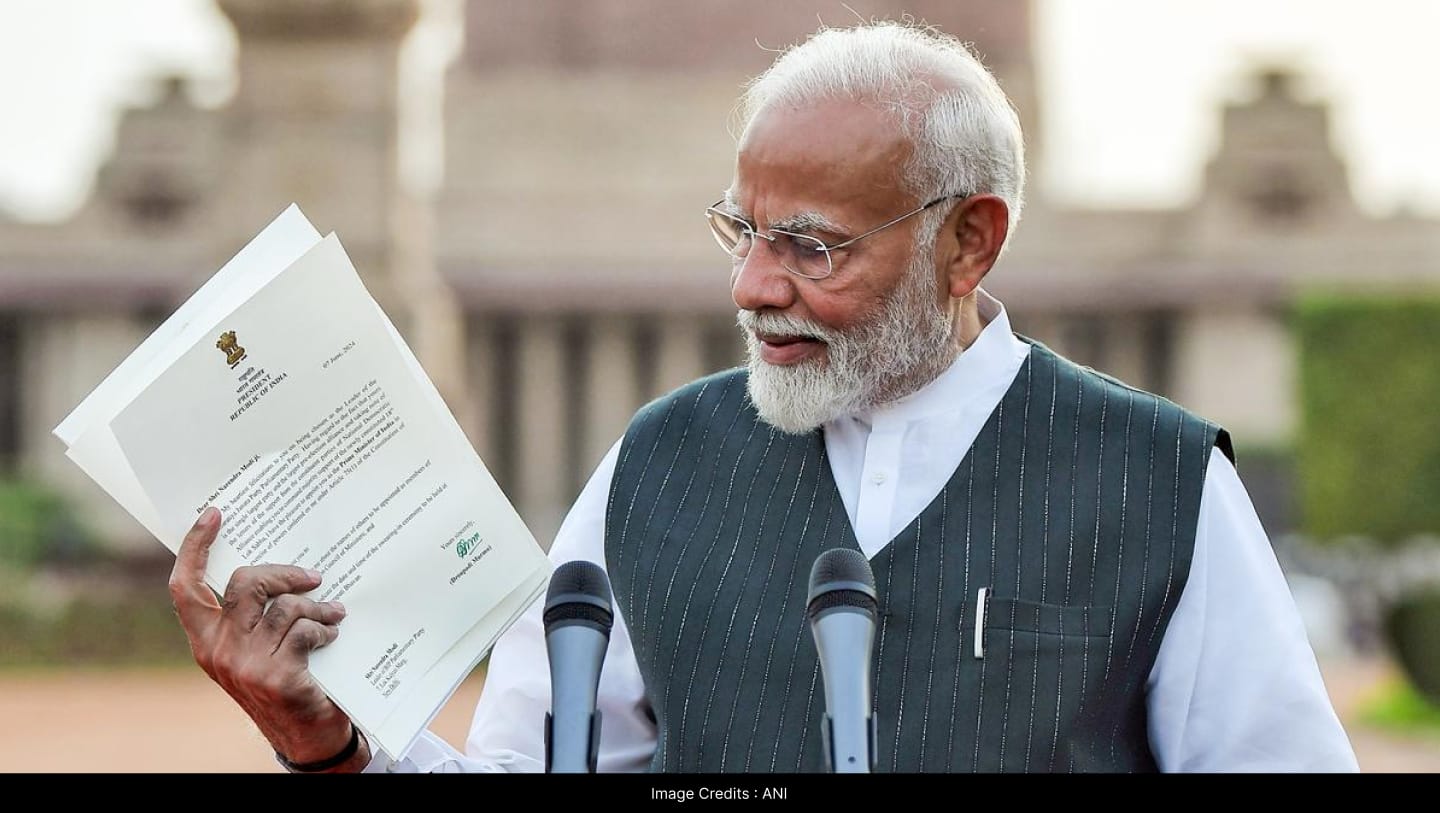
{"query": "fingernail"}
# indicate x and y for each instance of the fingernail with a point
(337, 605)
(314, 574)
(209, 517)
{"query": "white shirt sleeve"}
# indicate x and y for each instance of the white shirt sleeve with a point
(507, 732)
(1235, 686)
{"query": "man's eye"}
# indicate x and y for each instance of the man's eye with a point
(809, 244)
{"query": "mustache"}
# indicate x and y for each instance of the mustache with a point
(752, 322)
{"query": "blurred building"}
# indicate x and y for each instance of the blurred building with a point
(564, 275)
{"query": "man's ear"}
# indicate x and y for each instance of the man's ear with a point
(970, 241)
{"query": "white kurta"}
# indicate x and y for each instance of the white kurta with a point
(1235, 686)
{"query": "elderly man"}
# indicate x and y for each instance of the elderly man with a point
(1072, 575)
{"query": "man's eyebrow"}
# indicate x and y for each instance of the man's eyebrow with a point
(800, 222)
(808, 221)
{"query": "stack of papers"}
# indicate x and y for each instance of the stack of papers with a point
(281, 394)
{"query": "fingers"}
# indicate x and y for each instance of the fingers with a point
(251, 589)
(248, 665)
(289, 609)
(256, 639)
(306, 635)
(188, 590)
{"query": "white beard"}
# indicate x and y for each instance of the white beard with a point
(901, 350)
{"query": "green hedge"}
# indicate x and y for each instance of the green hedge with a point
(1369, 449)
(36, 525)
(41, 623)
(110, 631)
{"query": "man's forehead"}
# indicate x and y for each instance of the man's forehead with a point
(836, 152)
(838, 193)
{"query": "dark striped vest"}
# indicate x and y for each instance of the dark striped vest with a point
(1076, 507)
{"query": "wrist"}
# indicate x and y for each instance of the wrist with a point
(350, 758)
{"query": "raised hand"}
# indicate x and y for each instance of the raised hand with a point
(256, 643)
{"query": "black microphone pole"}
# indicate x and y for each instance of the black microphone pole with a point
(842, 611)
(578, 617)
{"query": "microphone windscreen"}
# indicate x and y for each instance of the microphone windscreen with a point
(580, 576)
(579, 590)
(841, 577)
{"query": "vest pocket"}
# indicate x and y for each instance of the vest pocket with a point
(991, 619)
(1019, 615)
(1043, 667)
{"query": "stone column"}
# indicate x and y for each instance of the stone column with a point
(680, 354)
(1042, 326)
(64, 357)
(1239, 370)
(540, 430)
(612, 387)
(478, 419)
(1125, 349)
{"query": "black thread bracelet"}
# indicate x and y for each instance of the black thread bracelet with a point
(325, 764)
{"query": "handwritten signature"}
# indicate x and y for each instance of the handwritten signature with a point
(464, 546)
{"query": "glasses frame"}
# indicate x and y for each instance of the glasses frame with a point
(713, 211)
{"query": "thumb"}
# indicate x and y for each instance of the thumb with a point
(188, 589)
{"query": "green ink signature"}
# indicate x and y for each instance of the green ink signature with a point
(464, 546)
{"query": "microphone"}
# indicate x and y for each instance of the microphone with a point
(842, 609)
(578, 617)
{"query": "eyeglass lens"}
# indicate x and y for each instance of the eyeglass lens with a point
(798, 253)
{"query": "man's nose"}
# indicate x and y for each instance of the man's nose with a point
(760, 280)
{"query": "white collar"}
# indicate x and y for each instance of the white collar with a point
(989, 361)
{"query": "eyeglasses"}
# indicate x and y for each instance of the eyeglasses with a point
(800, 254)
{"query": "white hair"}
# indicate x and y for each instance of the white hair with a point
(964, 131)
